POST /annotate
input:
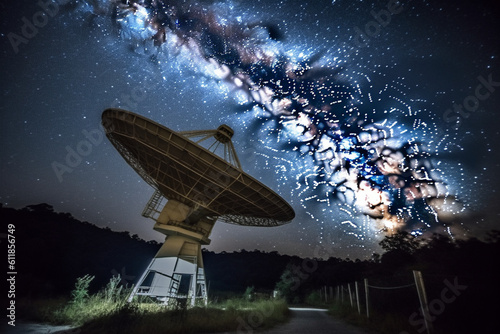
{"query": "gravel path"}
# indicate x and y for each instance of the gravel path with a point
(317, 321)
(34, 328)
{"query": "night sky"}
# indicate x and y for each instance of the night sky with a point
(363, 126)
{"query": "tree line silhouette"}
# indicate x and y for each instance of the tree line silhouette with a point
(53, 249)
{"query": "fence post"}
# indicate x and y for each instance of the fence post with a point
(357, 296)
(422, 296)
(338, 293)
(326, 295)
(350, 293)
(367, 299)
(342, 293)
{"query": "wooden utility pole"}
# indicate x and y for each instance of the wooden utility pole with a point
(357, 296)
(367, 299)
(350, 293)
(422, 296)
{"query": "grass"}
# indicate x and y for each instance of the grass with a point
(378, 323)
(39, 310)
(108, 312)
(134, 318)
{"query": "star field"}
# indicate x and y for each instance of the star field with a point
(366, 116)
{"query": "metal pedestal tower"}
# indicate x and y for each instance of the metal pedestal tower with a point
(176, 272)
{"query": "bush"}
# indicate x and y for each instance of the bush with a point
(112, 291)
(81, 291)
(286, 286)
(249, 293)
(83, 307)
(314, 299)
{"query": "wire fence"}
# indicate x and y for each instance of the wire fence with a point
(391, 287)
(366, 297)
(436, 301)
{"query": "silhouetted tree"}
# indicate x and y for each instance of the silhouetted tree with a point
(288, 284)
(401, 241)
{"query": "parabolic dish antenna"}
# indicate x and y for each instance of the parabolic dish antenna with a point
(201, 185)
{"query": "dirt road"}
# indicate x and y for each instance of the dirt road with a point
(307, 320)
(34, 328)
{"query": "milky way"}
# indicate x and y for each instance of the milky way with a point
(365, 162)
(360, 148)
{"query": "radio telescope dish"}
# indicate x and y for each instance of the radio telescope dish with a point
(201, 184)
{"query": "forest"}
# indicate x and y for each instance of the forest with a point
(54, 249)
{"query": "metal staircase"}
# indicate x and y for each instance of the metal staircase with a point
(174, 285)
(201, 284)
(152, 209)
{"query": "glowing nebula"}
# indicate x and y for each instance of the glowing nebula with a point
(365, 161)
